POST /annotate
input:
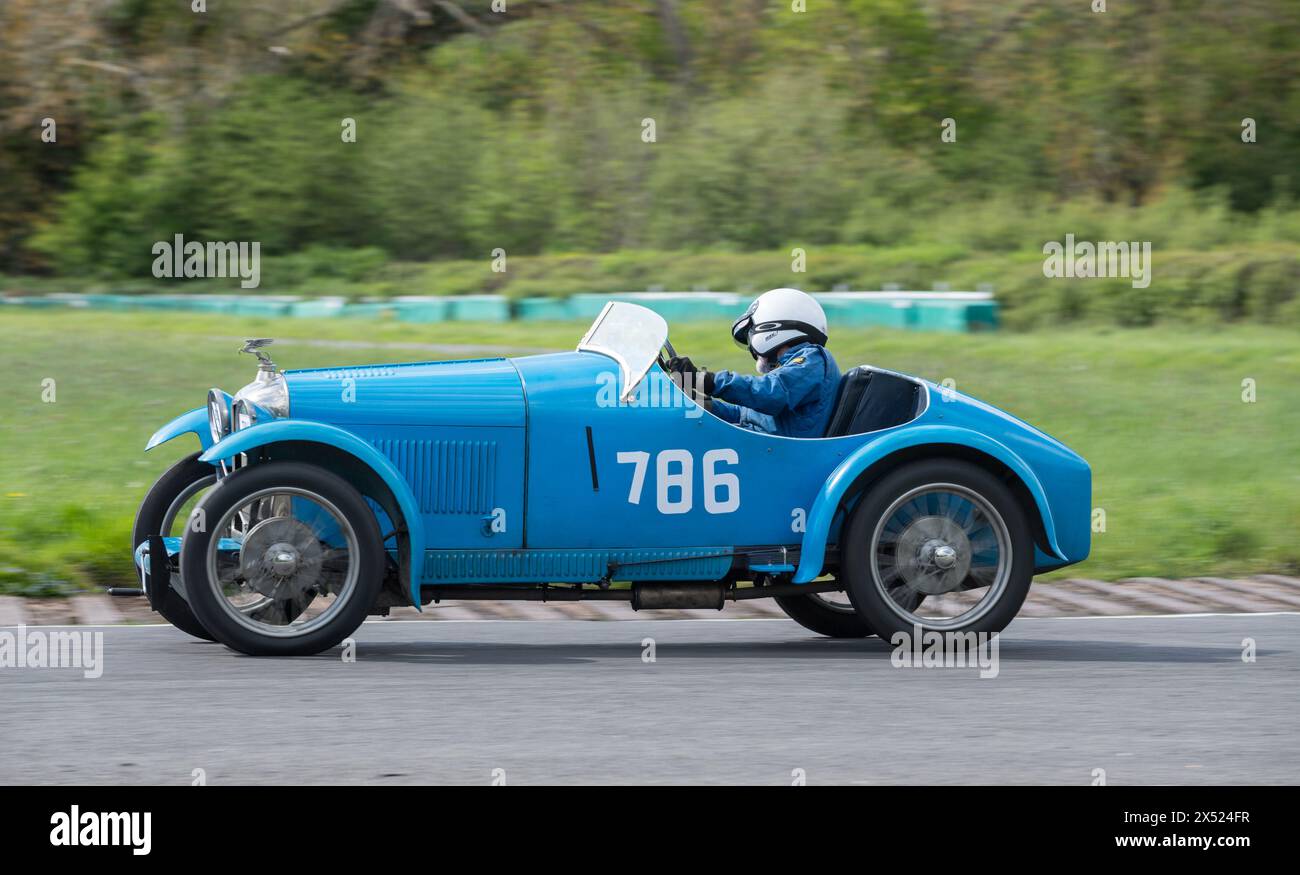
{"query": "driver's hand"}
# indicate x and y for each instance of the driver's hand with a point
(681, 365)
(690, 379)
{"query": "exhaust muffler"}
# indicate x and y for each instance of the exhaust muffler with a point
(681, 596)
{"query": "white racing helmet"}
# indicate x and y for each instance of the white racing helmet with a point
(779, 317)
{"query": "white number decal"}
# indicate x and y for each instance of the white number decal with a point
(674, 480)
(680, 480)
(639, 459)
(713, 481)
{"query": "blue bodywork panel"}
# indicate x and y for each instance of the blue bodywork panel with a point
(480, 393)
(653, 458)
(532, 470)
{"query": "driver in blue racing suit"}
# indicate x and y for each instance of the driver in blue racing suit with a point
(794, 394)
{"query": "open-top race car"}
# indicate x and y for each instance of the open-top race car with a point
(322, 496)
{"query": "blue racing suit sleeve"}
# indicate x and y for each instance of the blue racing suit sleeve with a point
(726, 412)
(775, 392)
(744, 417)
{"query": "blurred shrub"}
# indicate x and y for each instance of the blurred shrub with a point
(323, 262)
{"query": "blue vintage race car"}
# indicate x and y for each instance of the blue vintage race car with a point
(323, 496)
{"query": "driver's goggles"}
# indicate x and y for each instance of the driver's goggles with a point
(742, 327)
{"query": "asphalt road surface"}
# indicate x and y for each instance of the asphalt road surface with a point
(1149, 700)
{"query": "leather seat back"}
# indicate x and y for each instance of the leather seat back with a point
(871, 400)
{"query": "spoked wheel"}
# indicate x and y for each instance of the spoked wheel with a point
(826, 613)
(290, 563)
(165, 511)
(940, 545)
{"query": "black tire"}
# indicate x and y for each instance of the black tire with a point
(815, 615)
(149, 520)
(879, 610)
(234, 490)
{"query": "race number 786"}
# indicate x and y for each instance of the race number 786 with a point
(674, 478)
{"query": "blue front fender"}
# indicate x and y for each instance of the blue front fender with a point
(281, 430)
(195, 421)
(813, 552)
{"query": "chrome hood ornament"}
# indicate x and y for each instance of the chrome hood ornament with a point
(253, 346)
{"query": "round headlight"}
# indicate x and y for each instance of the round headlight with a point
(218, 414)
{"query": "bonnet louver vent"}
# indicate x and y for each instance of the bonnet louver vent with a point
(447, 476)
(357, 373)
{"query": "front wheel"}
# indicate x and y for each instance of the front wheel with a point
(939, 545)
(831, 614)
(290, 563)
(159, 514)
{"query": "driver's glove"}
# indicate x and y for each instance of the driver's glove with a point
(690, 378)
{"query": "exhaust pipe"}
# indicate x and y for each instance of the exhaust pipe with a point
(653, 596)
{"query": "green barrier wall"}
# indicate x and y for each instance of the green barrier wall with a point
(544, 309)
(908, 311)
(478, 308)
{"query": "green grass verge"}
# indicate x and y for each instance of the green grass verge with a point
(1193, 480)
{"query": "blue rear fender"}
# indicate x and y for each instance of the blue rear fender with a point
(832, 494)
(300, 431)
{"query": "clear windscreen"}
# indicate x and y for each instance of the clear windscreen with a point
(631, 335)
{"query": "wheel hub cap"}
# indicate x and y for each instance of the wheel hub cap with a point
(281, 558)
(933, 555)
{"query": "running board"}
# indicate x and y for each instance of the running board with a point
(477, 592)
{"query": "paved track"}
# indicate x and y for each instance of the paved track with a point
(1074, 597)
(1150, 700)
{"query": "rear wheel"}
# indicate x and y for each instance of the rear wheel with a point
(290, 563)
(941, 545)
(830, 613)
(164, 511)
